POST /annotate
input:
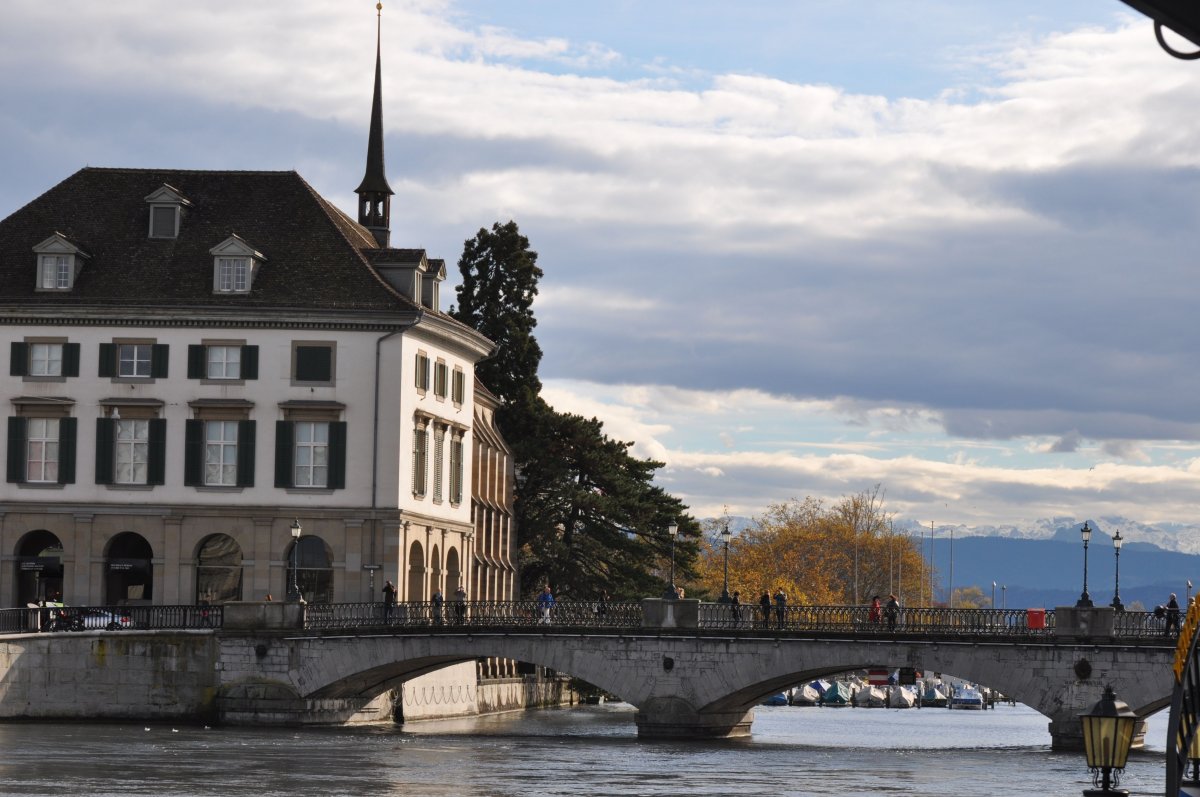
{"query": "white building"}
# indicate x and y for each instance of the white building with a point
(199, 360)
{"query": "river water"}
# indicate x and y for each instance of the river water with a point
(589, 751)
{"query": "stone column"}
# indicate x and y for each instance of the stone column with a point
(674, 718)
(178, 582)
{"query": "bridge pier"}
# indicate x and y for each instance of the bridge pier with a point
(672, 718)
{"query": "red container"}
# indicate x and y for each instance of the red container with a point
(1035, 619)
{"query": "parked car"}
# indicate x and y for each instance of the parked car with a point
(69, 619)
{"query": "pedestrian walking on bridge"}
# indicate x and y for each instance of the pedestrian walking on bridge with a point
(780, 606)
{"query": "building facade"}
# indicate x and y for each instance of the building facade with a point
(221, 387)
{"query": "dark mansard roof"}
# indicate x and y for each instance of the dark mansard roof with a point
(313, 255)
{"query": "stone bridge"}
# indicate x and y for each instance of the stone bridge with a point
(687, 682)
(264, 667)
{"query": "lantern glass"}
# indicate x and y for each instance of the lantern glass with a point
(1108, 732)
(1086, 532)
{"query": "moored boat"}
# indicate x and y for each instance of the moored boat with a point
(837, 695)
(806, 695)
(933, 697)
(967, 697)
(902, 697)
(779, 699)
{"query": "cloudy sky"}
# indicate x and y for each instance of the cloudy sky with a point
(943, 246)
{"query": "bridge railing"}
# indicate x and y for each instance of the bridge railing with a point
(861, 620)
(108, 618)
(485, 614)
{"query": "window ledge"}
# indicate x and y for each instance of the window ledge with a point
(43, 379)
(223, 382)
(217, 488)
(135, 380)
(311, 490)
(41, 485)
(134, 487)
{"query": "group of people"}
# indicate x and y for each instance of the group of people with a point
(889, 610)
(438, 602)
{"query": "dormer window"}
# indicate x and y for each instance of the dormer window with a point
(166, 210)
(233, 274)
(235, 263)
(58, 262)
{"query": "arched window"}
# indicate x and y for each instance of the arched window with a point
(39, 566)
(128, 572)
(309, 567)
(218, 570)
(416, 573)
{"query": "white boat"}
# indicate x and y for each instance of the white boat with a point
(870, 697)
(806, 695)
(902, 697)
(967, 697)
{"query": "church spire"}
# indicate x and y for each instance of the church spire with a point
(374, 193)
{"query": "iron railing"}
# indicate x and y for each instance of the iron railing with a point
(108, 618)
(594, 616)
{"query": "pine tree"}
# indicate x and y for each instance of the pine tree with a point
(588, 514)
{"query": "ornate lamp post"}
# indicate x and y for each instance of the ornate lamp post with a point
(671, 594)
(1003, 596)
(1107, 736)
(1116, 601)
(725, 534)
(296, 532)
(1085, 600)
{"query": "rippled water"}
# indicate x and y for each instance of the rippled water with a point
(576, 752)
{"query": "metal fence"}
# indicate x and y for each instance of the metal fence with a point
(108, 618)
(595, 616)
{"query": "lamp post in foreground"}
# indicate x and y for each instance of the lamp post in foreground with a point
(1085, 600)
(296, 532)
(671, 593)
(1107, 736)
(725, 535)
(1116, 601)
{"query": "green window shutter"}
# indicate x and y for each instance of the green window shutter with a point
(70, 359)
(108, 360)
(156, 460)
(18, 363)
(245, 454)
(193, 452)
(249, 362)
(314, 364)
(197, 363)
(67, 434)
(106, 435)
(16, 449)
(284, 439)
(159, 359)
(337, 455)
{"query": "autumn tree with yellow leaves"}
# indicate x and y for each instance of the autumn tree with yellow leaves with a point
(843, 553)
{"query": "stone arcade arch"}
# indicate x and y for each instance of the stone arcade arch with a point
(218, 570)
(38, 568)
(128, 570)
(310, 566)
(416, 573)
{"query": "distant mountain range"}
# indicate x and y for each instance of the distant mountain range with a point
(1041, 565)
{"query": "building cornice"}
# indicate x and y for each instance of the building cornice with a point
(193, 317)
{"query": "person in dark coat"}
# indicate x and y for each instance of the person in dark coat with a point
(735, 607)
(389, 600)
(780, 606)
(891, 610)
(1172, 615)
(764, 602)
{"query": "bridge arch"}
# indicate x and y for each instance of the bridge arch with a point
(708, 686)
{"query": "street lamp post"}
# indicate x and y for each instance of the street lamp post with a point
(1107, 736)
(1116, 601)
(1085, 600)
(725, 534)
(1003, 596)
(671, 593)
(296, 532)
(993, 594)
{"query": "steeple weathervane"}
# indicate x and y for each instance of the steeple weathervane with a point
(374, 193)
